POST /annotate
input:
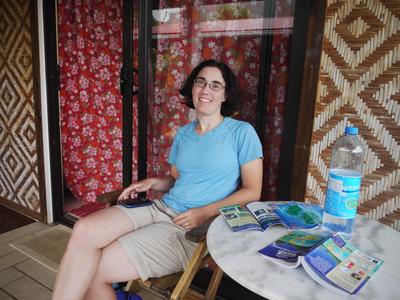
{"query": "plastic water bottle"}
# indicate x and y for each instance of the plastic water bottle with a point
(343, 184)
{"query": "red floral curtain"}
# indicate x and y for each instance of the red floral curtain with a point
(90, 48)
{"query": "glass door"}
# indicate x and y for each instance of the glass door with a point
(252, 37)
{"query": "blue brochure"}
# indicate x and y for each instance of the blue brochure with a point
(262, 215)
(331, 261)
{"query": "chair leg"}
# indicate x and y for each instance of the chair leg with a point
(191, 269)
(128, 286)
(214, 284)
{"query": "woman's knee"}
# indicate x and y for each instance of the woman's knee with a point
(100, 229)
(84, 233)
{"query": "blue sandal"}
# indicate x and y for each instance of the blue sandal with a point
(122, 295)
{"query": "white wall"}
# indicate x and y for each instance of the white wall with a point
(45, 123)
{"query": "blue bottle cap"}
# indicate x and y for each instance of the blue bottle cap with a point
(351, 130)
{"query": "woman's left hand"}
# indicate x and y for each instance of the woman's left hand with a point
(192, 218)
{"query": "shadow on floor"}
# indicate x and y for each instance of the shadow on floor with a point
(10, 219)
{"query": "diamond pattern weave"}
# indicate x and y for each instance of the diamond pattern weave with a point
(359, 85)
(18, 139)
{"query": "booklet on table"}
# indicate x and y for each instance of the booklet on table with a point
(262, 215)
(332, 261)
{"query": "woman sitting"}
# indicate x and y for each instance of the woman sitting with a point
(215, 161)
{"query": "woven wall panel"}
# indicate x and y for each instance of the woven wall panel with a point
(18, 144)
(359, 84)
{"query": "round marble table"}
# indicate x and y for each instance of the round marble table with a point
(236, 254)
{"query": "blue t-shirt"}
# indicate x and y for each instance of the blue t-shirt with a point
(209, 165)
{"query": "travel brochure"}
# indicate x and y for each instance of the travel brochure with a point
(332, 261)
(262, 215)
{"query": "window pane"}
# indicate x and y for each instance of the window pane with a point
(187, 32)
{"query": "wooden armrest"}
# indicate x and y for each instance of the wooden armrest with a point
(109, 198)
(199, 233)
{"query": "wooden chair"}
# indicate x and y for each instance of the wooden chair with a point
(176, 286)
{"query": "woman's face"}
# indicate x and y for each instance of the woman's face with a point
(208, 100)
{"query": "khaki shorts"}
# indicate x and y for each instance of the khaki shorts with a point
(157, 246)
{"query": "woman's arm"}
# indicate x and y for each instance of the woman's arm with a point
(159, 184)
(251, 175)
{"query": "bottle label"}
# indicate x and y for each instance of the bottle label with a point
(342, 194)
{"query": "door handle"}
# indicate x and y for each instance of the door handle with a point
(123, 79)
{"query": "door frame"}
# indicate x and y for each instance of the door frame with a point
(300, 98)
(53, 110)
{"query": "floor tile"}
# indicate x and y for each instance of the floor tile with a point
(6, 249)
(11, 259)
(7, 237)
(45, 246)
(26, 288)
(9, 275)
(4, 296)
(38, 272)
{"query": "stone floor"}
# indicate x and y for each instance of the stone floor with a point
(22, 277)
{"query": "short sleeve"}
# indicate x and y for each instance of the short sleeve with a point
(174, 149)
(249, 145)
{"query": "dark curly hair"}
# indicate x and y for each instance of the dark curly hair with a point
(230, 105)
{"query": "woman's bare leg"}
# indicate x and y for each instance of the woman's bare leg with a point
(114, 266)
(81, 258)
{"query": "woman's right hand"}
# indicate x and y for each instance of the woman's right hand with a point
(137, 187)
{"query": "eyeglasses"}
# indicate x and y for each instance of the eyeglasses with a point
(215, 86)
